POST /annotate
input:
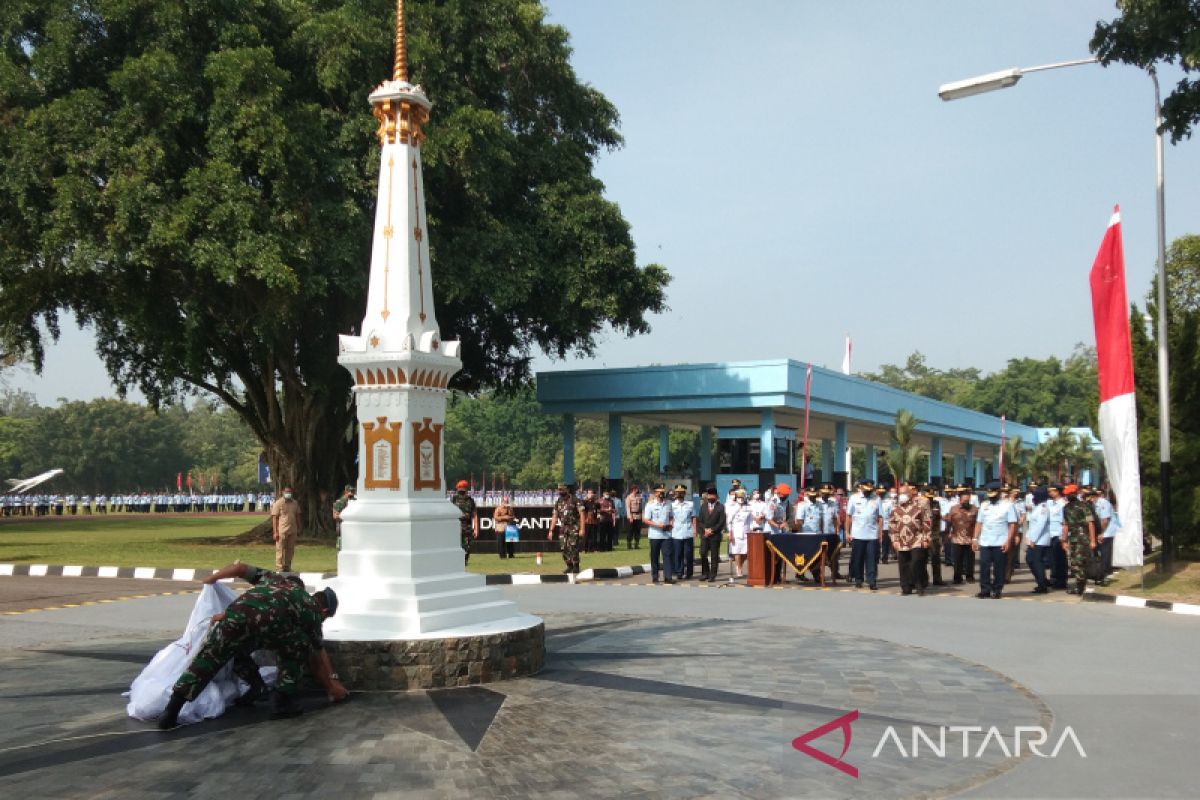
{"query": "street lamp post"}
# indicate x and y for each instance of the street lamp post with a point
(1009, 77)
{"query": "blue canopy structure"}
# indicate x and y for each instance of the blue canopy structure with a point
(764, 401)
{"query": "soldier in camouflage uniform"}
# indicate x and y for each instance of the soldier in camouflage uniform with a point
(1079, 537)
(469, 521)
(275, 614)
(568, 518)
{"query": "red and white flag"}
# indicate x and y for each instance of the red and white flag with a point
(1001, 448)
(1118, 411)
(846, 357)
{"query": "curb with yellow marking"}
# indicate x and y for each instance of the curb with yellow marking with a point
(95, 602)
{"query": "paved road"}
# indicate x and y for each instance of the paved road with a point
(22, 593)
(649, 692)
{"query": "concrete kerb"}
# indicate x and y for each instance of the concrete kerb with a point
(137, 573)
(1129, 601)
(309, 578)
(511, 579)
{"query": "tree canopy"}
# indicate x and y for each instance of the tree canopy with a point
(196, 182)
(1183, 337)
(1150, 31)
(1039, 392)
(108, 446)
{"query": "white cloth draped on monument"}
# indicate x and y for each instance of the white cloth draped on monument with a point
(1118, 411)
(151, 689)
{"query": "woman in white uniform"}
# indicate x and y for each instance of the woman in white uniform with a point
(739, 517)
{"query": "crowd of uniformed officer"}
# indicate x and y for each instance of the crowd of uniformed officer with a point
(45, 505)
(1067, 532)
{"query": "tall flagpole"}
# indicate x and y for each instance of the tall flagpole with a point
(846, 371)
(1164, 385)
(804, 446)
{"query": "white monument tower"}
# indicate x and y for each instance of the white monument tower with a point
(400, 570)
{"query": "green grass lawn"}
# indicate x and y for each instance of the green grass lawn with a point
(1181, 586)
(169, 541)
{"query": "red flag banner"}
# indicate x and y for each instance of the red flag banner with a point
(1118, 409)
(1110, 309)
(1001, 448)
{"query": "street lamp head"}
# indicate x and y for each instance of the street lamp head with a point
(980, 84)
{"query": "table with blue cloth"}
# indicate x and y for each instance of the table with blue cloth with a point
(804, 551)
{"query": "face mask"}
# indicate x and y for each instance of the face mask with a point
(287, 495)
(902, 497)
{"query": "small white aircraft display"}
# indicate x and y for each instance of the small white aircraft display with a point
(21, 485)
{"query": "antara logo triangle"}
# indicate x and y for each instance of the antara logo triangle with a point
(843, 722)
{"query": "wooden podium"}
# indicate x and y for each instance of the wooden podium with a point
(760, 567)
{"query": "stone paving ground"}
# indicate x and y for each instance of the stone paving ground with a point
(672, 692)
(627, 707)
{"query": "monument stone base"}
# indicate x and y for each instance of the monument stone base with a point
(450, 658)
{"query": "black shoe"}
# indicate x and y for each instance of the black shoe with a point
(711, 579)
(1041, 590)
(669, 580)
(858, 584)
(257, 691)
(906, 593)
(1072, 591)
(957, 581)
(873, 587)
(920, 592)
(939, 583)
(984, 595)
(654, 580)
(284, 706)
(169, 718)
(995, 595)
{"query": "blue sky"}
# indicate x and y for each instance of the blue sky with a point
(791, 164)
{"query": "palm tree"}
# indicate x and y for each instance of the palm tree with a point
(1014, 470)
(1078, 455)
(903, 455)
(1050, 455)
(1064, 455)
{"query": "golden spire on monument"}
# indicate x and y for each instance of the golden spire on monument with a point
(402, 115)
(400, 66)
(400, 314)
